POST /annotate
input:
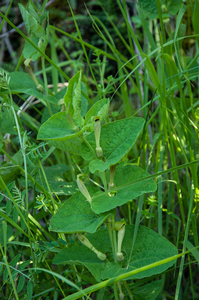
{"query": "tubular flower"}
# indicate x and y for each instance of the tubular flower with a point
(112, 173)
(88, 244)
(97, 128)
(121, 233)
(121, 294)
(83, 189)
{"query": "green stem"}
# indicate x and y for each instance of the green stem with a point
(109, 227)
(9, 272)
(129, 212)
(23, 151)
(116, 291)
(49, 190)
(114, 239)
(46, 84)
(128, 290)
(103, 178)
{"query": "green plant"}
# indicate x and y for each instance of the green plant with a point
(76, 189)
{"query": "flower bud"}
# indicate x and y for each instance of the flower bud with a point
(83, 189)
(100, 255)
(112, 173)
(121, 294)
(88, 244)
(97, 128)
(121, 233)
(120, 256)
(40, 88)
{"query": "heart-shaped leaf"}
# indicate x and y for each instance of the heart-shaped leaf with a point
(149, 248)
(76, 215)
(102, 201)
(73, 97)
(99, 109)
(57, 128)
(117, 138)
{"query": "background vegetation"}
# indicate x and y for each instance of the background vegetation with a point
(143, 56)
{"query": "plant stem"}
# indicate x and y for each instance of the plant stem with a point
(128, 290)
(9, 272)
(116, 291)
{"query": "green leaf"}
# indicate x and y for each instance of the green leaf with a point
(149, 291)
(76, 97)
(46, 114)
(30, 290)
(149, 8)
(5, 275)
(15, 260)
(84, 101)
(7, 121)
(73, 145)
(37, 28)
(29, 50)
(8, 173)
(73, 97)
(23, 265)
(21, 283)
(102, 201)
(76, 215)
(195, 20)
(172, 69)
(149, 248)
(32, 11)
(194, 252)
(57, 128)
(21, 82)
(1, 269)
(99, 109)
(8, 207)
(15, 215)
(9, 233)
(117, 138)
(31, 23)
(56, 180)
(81, 255)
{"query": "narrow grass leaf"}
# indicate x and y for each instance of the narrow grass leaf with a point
(195, 19)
